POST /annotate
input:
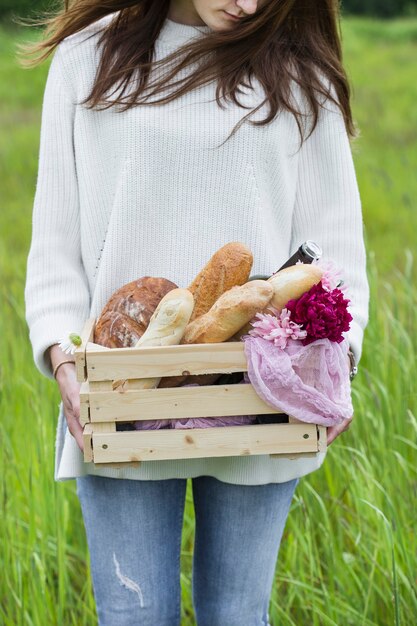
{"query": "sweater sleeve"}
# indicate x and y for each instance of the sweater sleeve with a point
(328, 210)
(56, 289)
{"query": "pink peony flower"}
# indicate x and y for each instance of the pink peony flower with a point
(332, 275)
(322, 313)
(277, 328)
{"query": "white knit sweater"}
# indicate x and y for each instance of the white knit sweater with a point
(149, 192)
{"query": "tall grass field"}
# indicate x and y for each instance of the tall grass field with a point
(348, 553)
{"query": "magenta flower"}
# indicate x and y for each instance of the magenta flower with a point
(276, 328)
(322, 313)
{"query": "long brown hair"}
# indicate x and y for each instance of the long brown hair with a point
(284, 41)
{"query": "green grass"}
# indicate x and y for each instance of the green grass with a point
(379, 61)
(348, 551)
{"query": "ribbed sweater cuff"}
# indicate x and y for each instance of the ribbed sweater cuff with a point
(47, 331)
(355, 338)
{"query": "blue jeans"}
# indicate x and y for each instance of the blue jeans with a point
(134, 536)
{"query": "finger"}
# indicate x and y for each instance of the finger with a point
(76, 430)
(335, 431)
(331, 434)
(72, 403)
(77, 433)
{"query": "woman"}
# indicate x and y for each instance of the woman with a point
(146, 169)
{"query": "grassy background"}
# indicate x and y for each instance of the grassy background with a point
(348, 551)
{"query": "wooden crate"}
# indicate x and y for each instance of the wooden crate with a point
(102, 406)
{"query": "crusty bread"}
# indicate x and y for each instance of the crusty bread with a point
(229, 266)
(117, 330)
(169, 320)
(229, 313)
(126, 315)
(292, 282)
(166, 328)
(287, 284)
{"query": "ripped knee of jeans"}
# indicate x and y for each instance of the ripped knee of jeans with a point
(127, 582)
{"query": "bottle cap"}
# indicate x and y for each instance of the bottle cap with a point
(312, 249)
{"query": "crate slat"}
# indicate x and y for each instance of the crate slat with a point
(103, 403)
(322, 438)
(204, 442)
(84, 402)
(79, 354)
(156, 361)
(321, 441)
(293, 455)
(88, 443)
(176, 402)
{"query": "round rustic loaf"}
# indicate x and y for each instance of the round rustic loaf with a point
(126, 315)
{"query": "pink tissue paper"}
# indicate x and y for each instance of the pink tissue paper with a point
(310, 382)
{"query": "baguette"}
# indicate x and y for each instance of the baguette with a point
(229, 313)
(292, 282)
(287, 284)
(169, 320)
(166, 328)
(228, 267)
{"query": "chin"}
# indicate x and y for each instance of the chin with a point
(217, 21)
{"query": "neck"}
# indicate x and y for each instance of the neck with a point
(183, 12)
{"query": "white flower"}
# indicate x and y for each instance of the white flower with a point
(70, 342)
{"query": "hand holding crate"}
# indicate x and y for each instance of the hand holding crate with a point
(210, 345)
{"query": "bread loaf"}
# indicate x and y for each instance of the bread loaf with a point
(232, 309)
(288, 284)
(229, 313)
(169, 320)
(116, 330)
(126, 315)
(229, 266)
(166, 328)
(292, 282)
